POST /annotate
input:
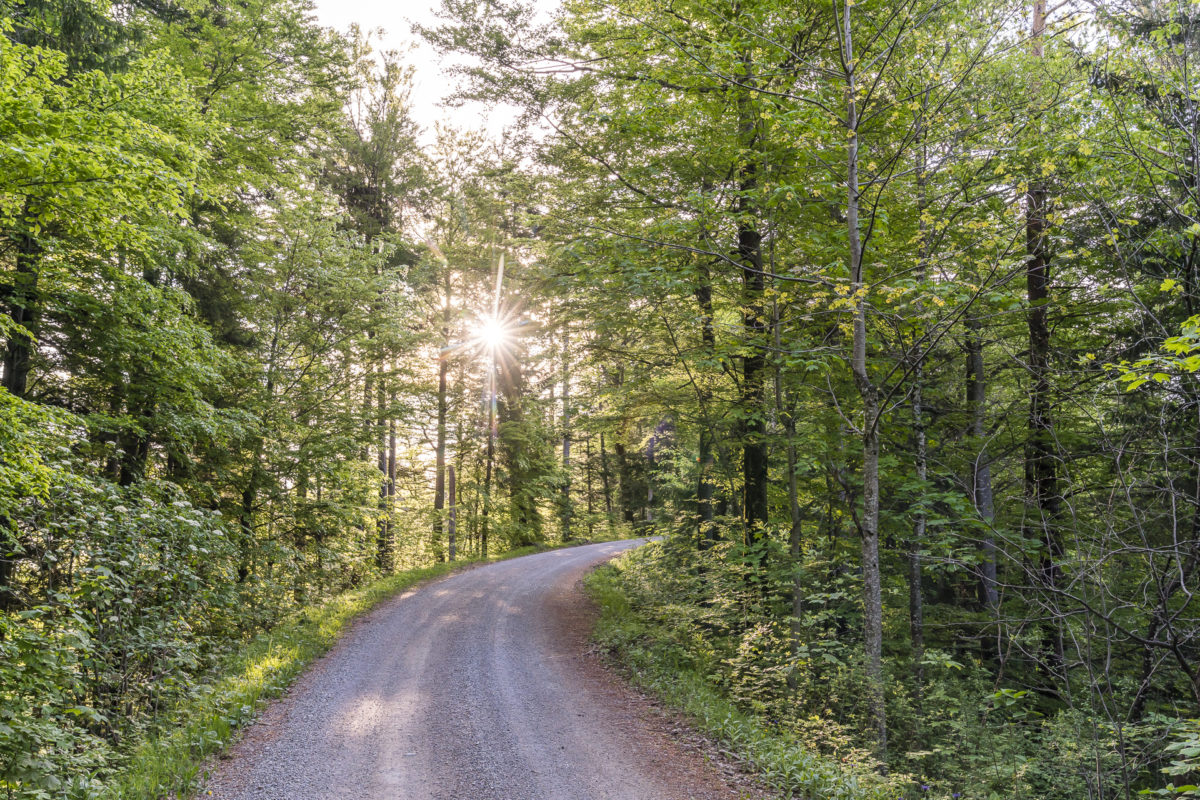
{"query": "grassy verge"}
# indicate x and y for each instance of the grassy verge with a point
(169, 766)
(781, 761)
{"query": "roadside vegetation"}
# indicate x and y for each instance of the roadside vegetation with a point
(689, 629)
(670, 661)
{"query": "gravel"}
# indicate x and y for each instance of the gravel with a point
(475, 687)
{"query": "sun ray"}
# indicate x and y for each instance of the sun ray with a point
(492, 333)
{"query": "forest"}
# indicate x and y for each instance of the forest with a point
(883, 314)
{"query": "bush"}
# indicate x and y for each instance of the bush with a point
(46, 748)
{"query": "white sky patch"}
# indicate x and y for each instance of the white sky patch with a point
(431, 84)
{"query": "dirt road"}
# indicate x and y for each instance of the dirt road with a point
(476, 687)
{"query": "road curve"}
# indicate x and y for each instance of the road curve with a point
(464, 689)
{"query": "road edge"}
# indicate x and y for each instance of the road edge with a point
(686, 734)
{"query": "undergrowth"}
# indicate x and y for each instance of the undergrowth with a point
(658, 664)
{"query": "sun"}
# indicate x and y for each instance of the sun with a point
(491, 332)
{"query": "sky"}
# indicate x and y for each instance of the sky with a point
(431, 85)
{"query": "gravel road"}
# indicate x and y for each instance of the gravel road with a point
(475, 687)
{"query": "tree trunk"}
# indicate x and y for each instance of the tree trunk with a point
(606, 482)
(390, 553)
(452, 516)
(255, 478)
(439, 480)
(520, 479)
(459, 455)
(981, 468)
(490, 457)
(705, 487)
(649, 510)
(24, 307)
(566, 437)
(246, 523)
(588, 479)
(916, 605)
(625, 479)
(368, 414)
(753, 400)
(381, 463)
(1041, 469)
(872, 585)
(246, 516)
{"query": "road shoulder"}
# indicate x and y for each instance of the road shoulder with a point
(680, 754)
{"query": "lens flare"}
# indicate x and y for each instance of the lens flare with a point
(491, 332)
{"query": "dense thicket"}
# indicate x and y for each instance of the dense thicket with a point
(885, 318)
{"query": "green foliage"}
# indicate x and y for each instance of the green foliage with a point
(231, 279)
(134, 670)
(209, 325)
(137, 600)
(697, 627)
(47, 748)
(89, 154)
(1178, 357)
(659, 661)
(30, 438)
(1184, 753)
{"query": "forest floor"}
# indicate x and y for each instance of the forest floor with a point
(483, 686)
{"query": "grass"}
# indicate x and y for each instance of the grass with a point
(170, 765)
(780, 760)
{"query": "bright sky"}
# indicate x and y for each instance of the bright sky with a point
(431, 84)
